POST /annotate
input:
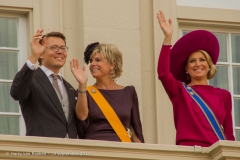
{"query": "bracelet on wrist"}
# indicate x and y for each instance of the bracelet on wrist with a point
(82, 91)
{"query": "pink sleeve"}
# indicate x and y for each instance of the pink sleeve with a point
(228, 122)
(170, 84)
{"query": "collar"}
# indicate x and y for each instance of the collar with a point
(48, 72)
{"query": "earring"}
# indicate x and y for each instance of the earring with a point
(188, 77)
(112, 75)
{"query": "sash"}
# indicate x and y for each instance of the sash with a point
(209, 114)
(110, 114)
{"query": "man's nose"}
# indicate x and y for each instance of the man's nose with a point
(59, 50)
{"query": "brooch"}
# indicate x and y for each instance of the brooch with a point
(93, 90)
(190, 90)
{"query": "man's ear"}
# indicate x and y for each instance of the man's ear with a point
(41, 56)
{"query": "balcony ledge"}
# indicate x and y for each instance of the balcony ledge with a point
(28, 147)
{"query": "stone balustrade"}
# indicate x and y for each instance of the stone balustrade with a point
(36, 148)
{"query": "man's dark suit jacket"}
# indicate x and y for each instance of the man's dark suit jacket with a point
(40, 106)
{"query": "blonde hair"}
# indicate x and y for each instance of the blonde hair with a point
(212, 67)
(112, 54)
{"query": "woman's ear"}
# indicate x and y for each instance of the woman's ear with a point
(113, 65)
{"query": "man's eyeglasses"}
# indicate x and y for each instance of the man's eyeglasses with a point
(56, 48)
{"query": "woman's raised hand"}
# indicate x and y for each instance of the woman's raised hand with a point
(167, 28)
(79, 73)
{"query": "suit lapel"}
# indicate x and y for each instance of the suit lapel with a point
(43, 80)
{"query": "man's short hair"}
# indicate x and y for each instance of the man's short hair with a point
(51, 34)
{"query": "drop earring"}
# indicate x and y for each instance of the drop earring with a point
(112, 75)
(188, 77)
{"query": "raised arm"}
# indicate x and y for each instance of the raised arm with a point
(169, 82)
(164, 57)
(20, 87)
(167, 28)
(81, 75)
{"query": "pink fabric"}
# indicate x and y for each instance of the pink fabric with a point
(191, 125)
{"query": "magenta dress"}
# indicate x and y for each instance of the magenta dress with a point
(124, 102)
(190, 123)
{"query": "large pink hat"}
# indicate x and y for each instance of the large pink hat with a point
(186, 45)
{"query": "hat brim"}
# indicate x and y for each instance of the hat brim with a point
(188, 44)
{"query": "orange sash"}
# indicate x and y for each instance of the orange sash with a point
(109, 113)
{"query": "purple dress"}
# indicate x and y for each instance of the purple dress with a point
(124, 102)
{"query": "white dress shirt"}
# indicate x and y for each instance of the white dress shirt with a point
(48, 73)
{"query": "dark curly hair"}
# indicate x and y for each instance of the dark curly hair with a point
(89, 50)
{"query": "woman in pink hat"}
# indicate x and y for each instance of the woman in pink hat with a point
(202, 113)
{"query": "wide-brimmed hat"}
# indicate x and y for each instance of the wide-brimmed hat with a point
(186, 45)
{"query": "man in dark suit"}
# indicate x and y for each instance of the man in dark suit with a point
(47, 101)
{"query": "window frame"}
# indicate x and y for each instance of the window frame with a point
(22, 57)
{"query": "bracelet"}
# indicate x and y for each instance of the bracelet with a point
(80, 91)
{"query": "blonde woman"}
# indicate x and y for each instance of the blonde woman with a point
(105, 66)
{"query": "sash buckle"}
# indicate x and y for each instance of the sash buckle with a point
(129, 132)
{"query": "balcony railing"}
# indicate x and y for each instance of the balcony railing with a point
(36, 148)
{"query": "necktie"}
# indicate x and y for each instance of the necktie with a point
(55, 83)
